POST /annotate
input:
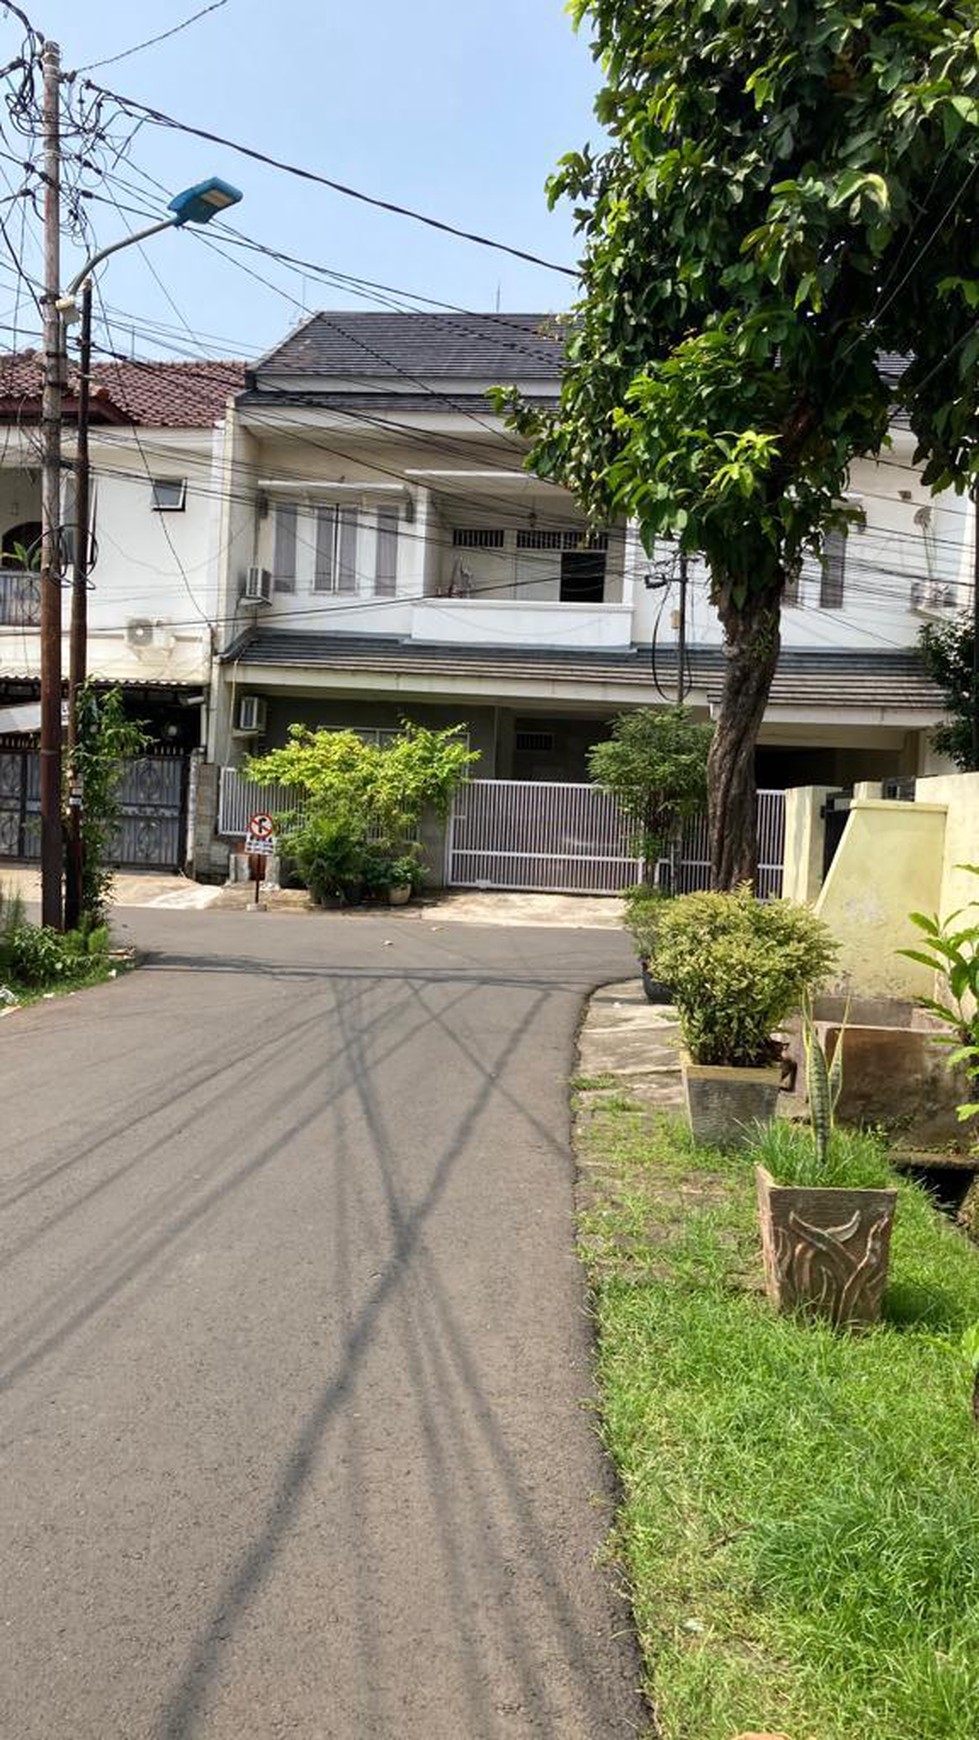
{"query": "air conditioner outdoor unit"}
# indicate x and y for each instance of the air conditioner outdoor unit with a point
(258, 586)
(252, 713)
(140, 631)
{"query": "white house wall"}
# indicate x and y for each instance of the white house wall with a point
(154, 585)
(913, 546)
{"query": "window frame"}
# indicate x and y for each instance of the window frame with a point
(168, 507)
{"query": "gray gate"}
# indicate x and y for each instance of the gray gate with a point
(574, 839)
(152, 803)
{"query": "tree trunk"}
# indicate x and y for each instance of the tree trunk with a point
(751, 646)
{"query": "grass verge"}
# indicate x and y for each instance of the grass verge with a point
(800, 1519)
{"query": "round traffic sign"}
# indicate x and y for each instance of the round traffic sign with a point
(261, 826)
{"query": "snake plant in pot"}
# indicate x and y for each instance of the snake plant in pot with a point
(826, 1221)
(737, 967)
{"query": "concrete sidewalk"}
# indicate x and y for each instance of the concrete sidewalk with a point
(130, 888)
(468, 906)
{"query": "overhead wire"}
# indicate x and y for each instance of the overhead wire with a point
(131, 105)
(151, 41)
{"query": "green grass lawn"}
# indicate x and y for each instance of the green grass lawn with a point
(800, 1513)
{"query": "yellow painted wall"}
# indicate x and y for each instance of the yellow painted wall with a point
(959, 792)
(889, 863)
(803, 863)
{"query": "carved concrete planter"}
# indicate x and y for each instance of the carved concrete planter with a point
(724, 1104)
(826, 1251)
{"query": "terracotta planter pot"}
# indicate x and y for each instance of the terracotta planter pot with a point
(724, 1104)
(826, 1251)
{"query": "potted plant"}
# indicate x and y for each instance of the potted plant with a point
(643, 906)
(737, 967)
(404, 878)
(330, 856)
(826, 1217)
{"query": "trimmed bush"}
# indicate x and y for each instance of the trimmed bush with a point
(738, 967)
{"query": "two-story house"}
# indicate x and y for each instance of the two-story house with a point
(386, 553)
(156, 442)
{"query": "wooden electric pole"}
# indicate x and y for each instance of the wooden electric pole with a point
(52, 847)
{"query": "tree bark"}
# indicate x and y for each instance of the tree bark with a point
(751, 647)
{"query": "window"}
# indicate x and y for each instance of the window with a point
(284, 548)
(540, 540)
(477, 537)
(386, 556)
(169, 495)
(582, 576)
(534, 742)
(833, 566)
(335, 562)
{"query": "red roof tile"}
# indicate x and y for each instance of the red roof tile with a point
(160, 395)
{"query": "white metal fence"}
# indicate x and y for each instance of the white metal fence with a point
(527, 834)
(530, 835)
(693, 869)
(574, 839)
(239, 799)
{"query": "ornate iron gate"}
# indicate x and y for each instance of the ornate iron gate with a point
(20, 804)
(152, 803)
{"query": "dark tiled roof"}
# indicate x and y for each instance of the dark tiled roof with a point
(828, 680)
(377, 400)
(159, 395)
(421, 347)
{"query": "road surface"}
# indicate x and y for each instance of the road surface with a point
(294, 1349)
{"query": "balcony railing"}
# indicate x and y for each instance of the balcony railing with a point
(20, 598)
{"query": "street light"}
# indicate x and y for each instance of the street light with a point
(195, 205)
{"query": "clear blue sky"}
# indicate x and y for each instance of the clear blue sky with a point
(457, 107)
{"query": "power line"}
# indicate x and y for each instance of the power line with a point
(151, 41)
(130, 106)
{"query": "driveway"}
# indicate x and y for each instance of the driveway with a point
(295, 1357)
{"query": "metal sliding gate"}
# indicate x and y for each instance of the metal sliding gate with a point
(152, 803)
(573, 839)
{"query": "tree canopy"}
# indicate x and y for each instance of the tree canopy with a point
(655, 764)
(787, 195)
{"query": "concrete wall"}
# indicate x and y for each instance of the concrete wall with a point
(889, 863)
(959, 792)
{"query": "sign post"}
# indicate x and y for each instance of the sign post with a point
(259, 846)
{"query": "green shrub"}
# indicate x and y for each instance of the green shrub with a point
(738, 967)
(405, 871)
(331, 857)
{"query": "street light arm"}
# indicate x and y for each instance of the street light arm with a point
(114, 248)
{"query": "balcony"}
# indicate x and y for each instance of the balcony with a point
(20, 598)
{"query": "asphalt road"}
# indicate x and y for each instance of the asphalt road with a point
(294, 1358)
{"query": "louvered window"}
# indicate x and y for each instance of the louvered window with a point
(540, 540)
(477, 537)
(386, 557)
(284, 548)
(833, 568)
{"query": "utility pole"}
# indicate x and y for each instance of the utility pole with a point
(52, 848)
(77, 656)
